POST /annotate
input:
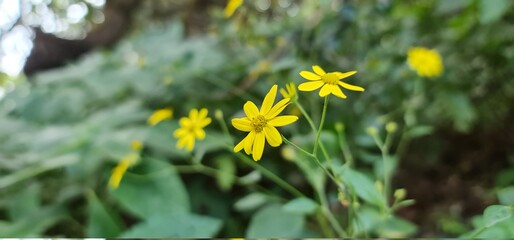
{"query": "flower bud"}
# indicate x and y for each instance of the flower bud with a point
(373, 131)
(391, 127)
(399, 194)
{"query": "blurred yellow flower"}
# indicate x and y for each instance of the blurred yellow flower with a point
(328, 82)
(289, 91)
(231, 7)
(136, 145)
(159, 115)
(191, 128)
(426, 62)
(261, 124)
(120, 169)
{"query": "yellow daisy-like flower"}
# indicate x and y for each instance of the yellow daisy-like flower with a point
(191, 128)
(231, 7)
(426, 62)
(159, 116)
(289, 91)
(121, 168)
(328, 82)
(261, 124)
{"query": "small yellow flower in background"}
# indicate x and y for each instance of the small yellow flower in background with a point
(136, 145)
(289, 92)
(231, 7)
(129, 160)
(191, 128)
(426, 62)
(328, 82)
(159, 115)
(261, 124)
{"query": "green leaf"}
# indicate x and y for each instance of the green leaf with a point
(420, 131)
(368, 219)
(506, 195)
(101, 222)
(301, 205)
(158, 190)
(33, 225)
(226, 174)
(25, 203)
(273, 222)
(493, 10)
(495, 214)
(175, 226)
(251, 201)
(362, 185)
(396, 228)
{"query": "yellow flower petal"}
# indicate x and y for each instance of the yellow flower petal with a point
(326, 89)
(337, 92)
(268, 101)
(204, 122)
(258, 146)
(249, 142)
(185, 122)
(272, 136)
(277, 109)
(242, 124)
(117, 174)
(284, 93)
(203, 113)
(231, 7)
(193, 114)
(239, 146)
(159, 116)
(282, 120)
(190, 144)
(351, 87)
(180, 132)
(310, 86)
(200, 133)
(309, 75)
(341, 75)
(250, 109)
(318, 70)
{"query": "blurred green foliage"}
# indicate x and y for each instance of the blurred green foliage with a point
(63, 132)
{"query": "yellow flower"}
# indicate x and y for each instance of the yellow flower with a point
(121, 168)
(289, 92)
(159, 116)
(231, 7)
(426, 62)
(328, 82)
(261, 124)
(192, 127)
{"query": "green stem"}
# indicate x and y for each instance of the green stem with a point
(313, 127)
(269, 174)
(224, 128)
(343, 144)
(315, 158)
(328, 214)
(385, 156)
(318, 134)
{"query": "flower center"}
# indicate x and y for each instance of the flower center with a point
(330, 78)
(258, 123)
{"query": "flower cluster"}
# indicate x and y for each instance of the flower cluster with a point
(191, 128)
(328, 82)
(261, 124)
(426, 62)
